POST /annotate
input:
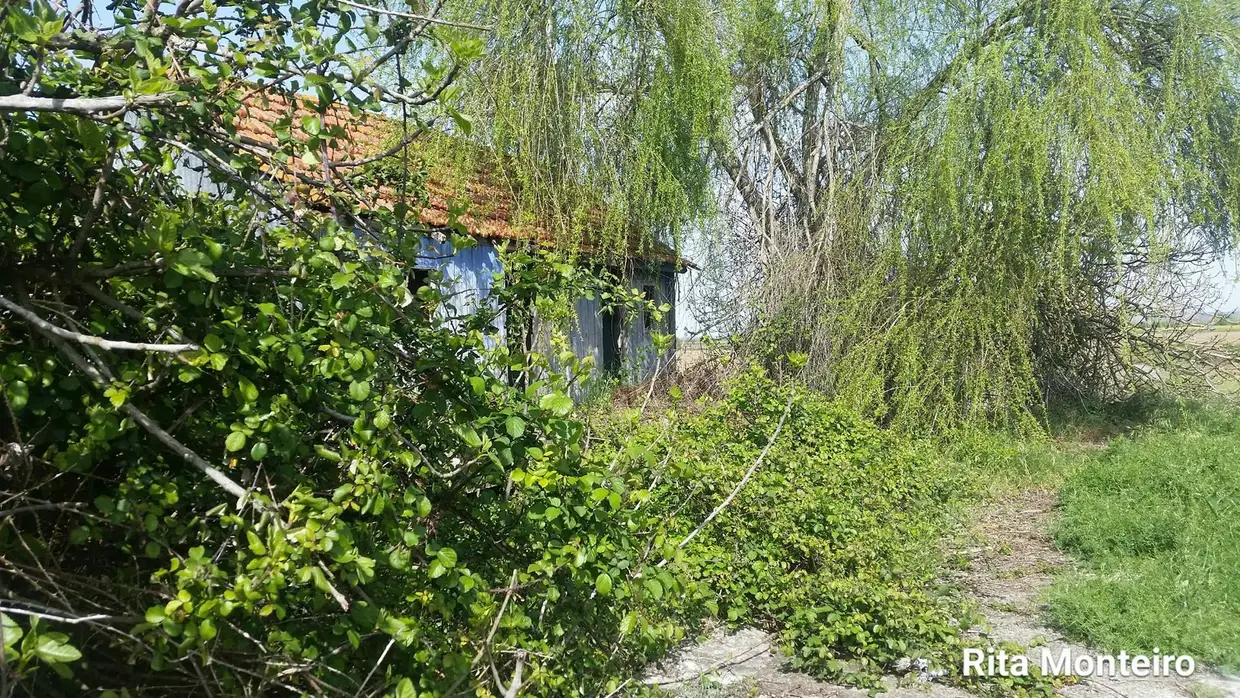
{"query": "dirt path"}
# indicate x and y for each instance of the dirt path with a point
(1012, 561)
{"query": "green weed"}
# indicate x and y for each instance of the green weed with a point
(834, 542)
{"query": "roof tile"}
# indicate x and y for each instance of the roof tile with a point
(491, 206)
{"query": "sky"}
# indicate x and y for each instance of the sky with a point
(1229, 288)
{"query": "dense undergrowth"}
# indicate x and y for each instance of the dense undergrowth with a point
(834, 540)
(248, 449)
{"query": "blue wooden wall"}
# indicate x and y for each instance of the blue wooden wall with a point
(469, 274)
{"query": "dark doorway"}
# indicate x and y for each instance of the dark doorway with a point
(613, 341)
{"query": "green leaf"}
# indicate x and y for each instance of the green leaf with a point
(117, 395)
(10, 629)
(55, 647)
(602, 584)
(447, 556)
(556, 403)
(478, 385)
(259, 451)
(654, 588)
(155, 615)
(247, 389)
(405, 689)
(359, 390)
(462, 121)
(399, 559)
(437, 569)
(515, 426)
(382, 420)
(327, 453)
(628, 623)
(468, 435)
(341, 279)
(206, 629)
(235, 441)
(341, 492)
(256, 543)
(193, 263)
(18, 393)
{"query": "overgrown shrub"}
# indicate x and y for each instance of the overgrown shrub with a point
(407, 517)
(241, 453)
(833, 542)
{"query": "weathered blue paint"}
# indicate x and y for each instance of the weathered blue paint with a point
(468, 275)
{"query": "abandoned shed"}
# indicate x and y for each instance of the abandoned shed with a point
(620, 346)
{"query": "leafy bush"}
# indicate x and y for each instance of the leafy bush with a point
(834, 540)
(398, 499)
(240, 451)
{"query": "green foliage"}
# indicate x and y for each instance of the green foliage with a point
(1153, 519)
(834, 540)
(29, 649)
(628, 162)
(240, 453)
(399, 483)
(959, 211)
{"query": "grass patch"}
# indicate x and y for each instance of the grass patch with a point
(1155, 518)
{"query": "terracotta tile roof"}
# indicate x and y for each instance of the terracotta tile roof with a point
(492, 208)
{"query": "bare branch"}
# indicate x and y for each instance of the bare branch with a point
(413, 136)
(95, 206)
(80, 362)
(335, 594)
(70, 620)
(82, 105)
(740, 485)
(109, 344)
(410, 15)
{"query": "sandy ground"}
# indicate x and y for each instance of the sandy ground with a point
(1012, 562)
(1216, 337)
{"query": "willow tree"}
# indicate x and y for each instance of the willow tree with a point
(957, 209)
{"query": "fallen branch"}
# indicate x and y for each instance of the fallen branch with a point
(109, 344)
(732, 660)
(228, 484)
